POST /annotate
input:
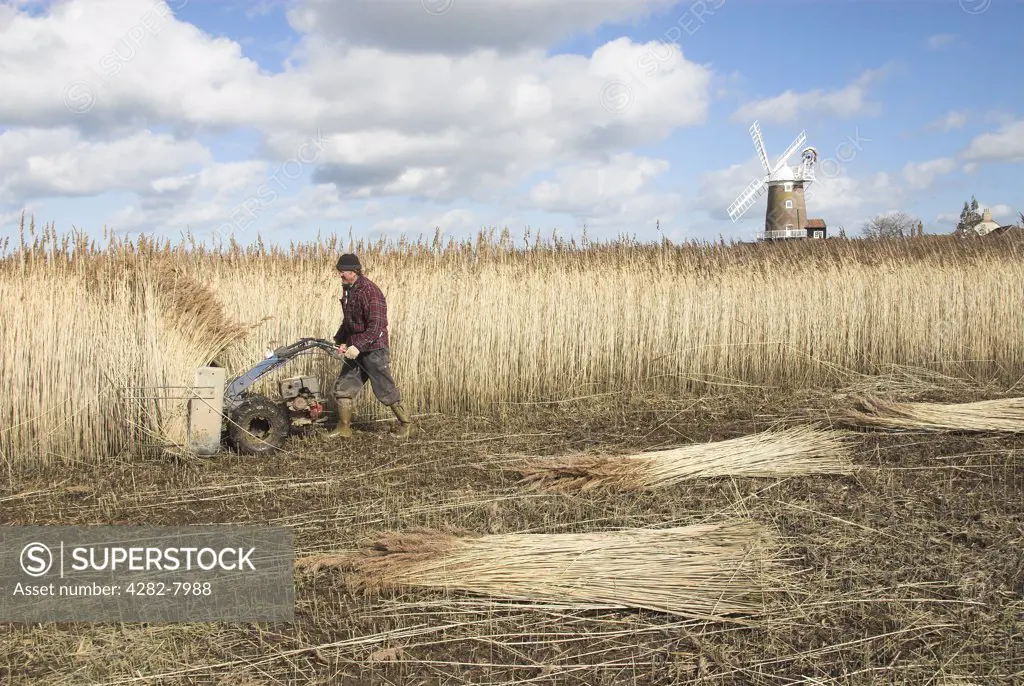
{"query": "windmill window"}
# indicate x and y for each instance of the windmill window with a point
(789, 204)
(789, 188)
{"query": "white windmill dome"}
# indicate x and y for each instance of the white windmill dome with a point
(784, 173)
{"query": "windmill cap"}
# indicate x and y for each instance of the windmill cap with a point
(784, 174)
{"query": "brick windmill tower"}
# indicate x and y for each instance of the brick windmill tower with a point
(786, 215)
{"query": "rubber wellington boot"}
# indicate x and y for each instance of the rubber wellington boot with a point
(346, 408)
(405, 426)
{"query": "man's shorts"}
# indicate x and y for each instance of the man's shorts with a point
(373, 366)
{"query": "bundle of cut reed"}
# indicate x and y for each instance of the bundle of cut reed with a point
(1005, 414)
(706, 571)
(791, 452)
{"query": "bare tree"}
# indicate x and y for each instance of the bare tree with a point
(892, 225)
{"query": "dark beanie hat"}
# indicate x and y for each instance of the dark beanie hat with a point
(349, 263)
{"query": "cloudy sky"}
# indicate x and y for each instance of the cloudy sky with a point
(285, 118)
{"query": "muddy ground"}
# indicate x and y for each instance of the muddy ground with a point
(910, 571)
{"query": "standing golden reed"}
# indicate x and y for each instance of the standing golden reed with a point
(479, 323)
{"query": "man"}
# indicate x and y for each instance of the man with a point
(363, 340)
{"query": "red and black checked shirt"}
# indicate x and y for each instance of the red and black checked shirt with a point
(366, 317)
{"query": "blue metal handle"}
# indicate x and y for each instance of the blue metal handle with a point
(239, 384)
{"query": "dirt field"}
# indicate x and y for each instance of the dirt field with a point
(910, 571)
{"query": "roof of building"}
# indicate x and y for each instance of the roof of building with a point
(986, 225)
(816, 224)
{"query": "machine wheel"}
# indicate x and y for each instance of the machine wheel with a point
(258, 426)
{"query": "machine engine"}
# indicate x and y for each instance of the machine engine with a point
(302, 400)
(257, 424)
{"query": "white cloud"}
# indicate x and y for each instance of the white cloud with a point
(1001, 211)
(400, 119)
(940, 40)
(222, 179)
(103, 63)
(617, 192)
(465, 126)
(235, 198)
(920, 175)
(999, 117)
(316, 202)
(39, 162)
(849, 198)
(853, 100)
(459, 26)
(1004, 145)
(452, 221)
(719, 188)
(951, 120)
(597, 188)
(998, 210)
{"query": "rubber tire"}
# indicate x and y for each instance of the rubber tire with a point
(270, 430)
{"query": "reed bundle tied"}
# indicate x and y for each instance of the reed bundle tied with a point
(791, 452)
(706, 571)
(1005, 414)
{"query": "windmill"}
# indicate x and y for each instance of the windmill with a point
(786, 215)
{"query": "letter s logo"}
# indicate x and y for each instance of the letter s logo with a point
(36, 559)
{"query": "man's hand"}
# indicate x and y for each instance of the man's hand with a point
(351, 352)
(341, 349)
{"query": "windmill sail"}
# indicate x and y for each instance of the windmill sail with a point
(755, 133)
(790, 150)
(786, 215)
(747, 198)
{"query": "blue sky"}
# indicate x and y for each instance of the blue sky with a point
(464, 114)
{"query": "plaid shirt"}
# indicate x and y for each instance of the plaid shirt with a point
(365, 322)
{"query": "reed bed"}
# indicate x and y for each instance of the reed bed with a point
(1001, 415)
(94, 358)
(797, 451)
(480, 324)
(705, 571)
